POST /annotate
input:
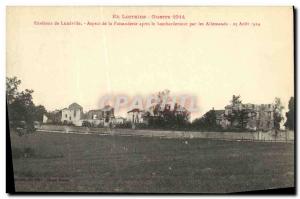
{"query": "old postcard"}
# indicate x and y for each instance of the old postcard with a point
(150, 99)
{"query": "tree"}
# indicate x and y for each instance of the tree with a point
(243, 118)
(278, 107)
(21, 110)
(290, 115)
(12, 89)
(207, 122)
(235, 116)
(238, 114)
(165, 116)
(236, 100)
(40, 110)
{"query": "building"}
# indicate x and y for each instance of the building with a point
(101, 117)
(250, 116)
(135, 116)
(72, 115)
(220, 119)
(118, 120)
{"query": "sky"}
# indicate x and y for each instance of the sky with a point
(66, 64)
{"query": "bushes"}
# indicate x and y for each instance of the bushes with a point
(141, 126)
(86, 124)
(125, 125)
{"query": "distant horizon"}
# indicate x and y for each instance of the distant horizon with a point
(123, 111)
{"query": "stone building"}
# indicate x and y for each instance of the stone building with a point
(72, 115)
(135, 116)
(103, 117)
(253, 116)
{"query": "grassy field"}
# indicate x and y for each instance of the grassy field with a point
(93, 163)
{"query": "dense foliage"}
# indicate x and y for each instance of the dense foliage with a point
(22, 112)
(289, 124)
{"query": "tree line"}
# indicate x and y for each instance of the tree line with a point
(23, 112)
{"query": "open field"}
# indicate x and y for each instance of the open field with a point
(93, 163)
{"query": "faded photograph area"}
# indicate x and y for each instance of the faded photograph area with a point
(150, 99)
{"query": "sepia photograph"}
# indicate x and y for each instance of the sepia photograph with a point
(150, 99)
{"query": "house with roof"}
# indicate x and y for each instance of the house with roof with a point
(72, 115)
(135, 116)
(103, 116)
(254, 116)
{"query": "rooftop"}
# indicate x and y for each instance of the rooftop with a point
(75, 106)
